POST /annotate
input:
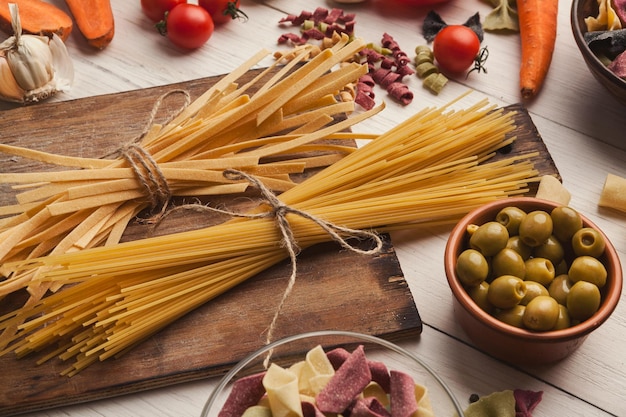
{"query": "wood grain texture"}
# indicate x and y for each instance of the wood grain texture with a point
(336, 289)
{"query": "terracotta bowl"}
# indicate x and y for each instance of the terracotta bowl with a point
(614, 84)
(509, 343)
(292, 349)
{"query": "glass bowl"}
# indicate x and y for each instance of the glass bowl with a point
(292, 349)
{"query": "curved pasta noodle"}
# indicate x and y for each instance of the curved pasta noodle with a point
(374, 390)
(424, 407)
(607, 18)
(313, 372)
(282, 392)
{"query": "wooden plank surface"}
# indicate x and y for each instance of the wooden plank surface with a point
(210, 340)
(336, 289)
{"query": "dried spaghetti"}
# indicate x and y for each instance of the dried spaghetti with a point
(431, 169)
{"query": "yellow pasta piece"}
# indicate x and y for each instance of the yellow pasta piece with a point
(424, 406)
(283, 395)
(614, 193)
(551, 189)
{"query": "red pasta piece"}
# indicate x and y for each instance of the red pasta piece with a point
(333, 16)
(400, 92)
(320, 14)
(526, 401)
(368, 407)
(337, 356)
(367, 80)
(310, 410)
(291, 38)
(385, 77)
(618, 65)
(313, 33)
(296, 20)
(348, 381)
(371, 56)
(402, 395)
(246, 392)
(405, 70)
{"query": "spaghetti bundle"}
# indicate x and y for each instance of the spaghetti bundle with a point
(284, 121)
(431, 169)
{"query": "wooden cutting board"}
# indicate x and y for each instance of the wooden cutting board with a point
(213, 338)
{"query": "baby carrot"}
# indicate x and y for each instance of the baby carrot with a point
(537, 24)
(94, 19)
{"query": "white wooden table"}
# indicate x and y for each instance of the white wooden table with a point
(583, 127)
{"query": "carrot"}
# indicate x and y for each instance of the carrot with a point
(37, 18)
(94, 19)
(537, 24)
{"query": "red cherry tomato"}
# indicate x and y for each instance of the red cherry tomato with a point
(155, 9)
(455, 48)
(189, 26)
(222, 11)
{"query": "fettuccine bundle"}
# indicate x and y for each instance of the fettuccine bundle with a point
(431, 169)
(283, 121)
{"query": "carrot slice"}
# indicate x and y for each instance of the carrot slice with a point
(94, 19)
(537, 24)
(37, 18)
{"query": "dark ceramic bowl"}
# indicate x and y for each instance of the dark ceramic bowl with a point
(509, 343)
(614, 84)
(292, 349)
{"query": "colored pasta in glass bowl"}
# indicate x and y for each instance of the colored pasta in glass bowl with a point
(331, 373)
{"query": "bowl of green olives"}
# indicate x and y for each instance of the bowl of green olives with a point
(531, 279)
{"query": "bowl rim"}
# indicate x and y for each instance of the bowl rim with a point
(611, 299)
(320, 333)
(579, 31)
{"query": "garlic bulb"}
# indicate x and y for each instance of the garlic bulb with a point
(32, 67)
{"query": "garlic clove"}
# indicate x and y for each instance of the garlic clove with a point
(38, 65)
(62, 63)
(9, 89)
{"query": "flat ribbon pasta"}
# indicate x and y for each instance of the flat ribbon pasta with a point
(282, 392)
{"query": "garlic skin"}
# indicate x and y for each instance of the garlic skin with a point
(33, 67)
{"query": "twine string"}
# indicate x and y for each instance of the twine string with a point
(144, 166)
(279, 211)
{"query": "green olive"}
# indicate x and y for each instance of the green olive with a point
(559, 288)
(513, 316)
(583, 300)
(563, 322)
(478, 293)
(520, 247)
(489, 238)
(471, 267)
(566, 221)
(541, 313)
(506, 291)
(588, 241)
(508, 262)
(511, 217)
(587, 268)
(535, 228)
(551, 249)
(561, 268)
(533, 289)
(540, 270)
